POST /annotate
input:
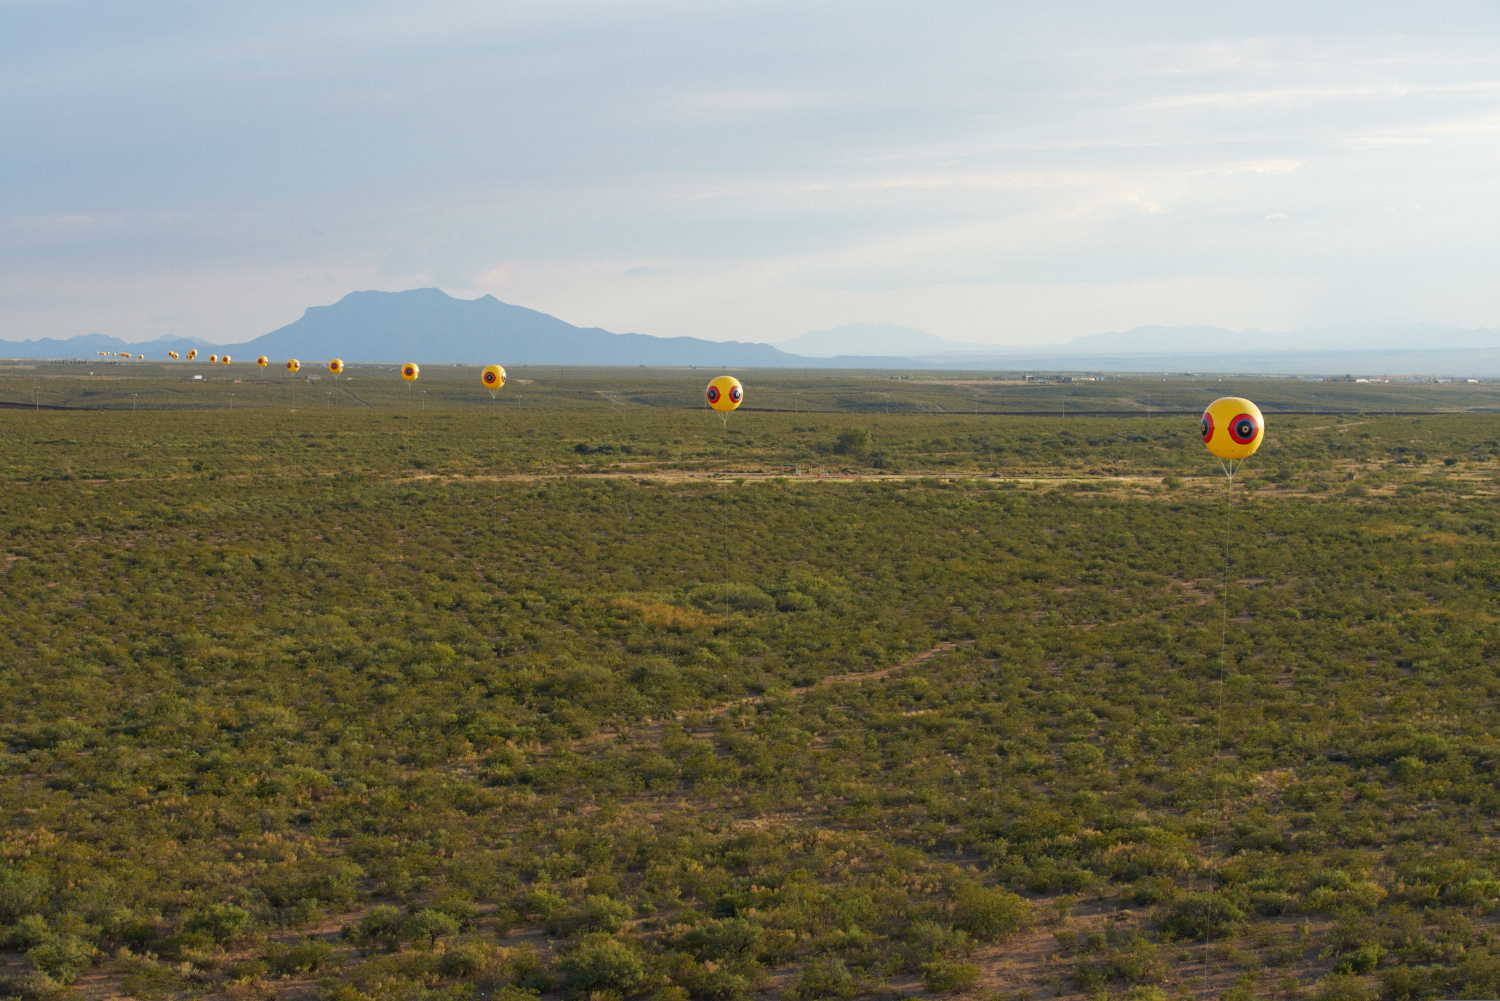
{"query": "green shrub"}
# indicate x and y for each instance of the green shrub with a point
(1152, 890)
(460, 908)
(1410, 983)
(598, 913)
(601, 963)
(942, 976)
(34, 986)
(465, 960)
(796, 601)
(934, 940)
(724, 939)
(223, 923)
(853, 442)
(307, 956)
(22, 892)
(1342, 987)
(823, 977)
(429, 924)
(541, 903)
(382, 927)
(739, 597)
(62, 957)
(28, 931)
(990, 915)
(1361, 960)
(1202, 915)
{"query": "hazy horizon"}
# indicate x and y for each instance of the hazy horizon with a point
(751, 171)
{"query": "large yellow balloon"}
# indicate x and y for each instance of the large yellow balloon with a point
(336, 366)
(192, 354)
(725, 393)
(292, 365)
(261, 361)
(409, 371)
(213, 359)
(1233, 428)
(493, 376)
(225, 359)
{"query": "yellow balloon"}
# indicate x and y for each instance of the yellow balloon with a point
(336, 366)
(1233, 428)
(293, 364)
(725, 393)
(172, 355)
(261, 361)
(193, 353)
(409, 371)
(493, 376)
(212, 359)
(140, 357)
(225, 359)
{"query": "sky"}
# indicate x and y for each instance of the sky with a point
(994, 173)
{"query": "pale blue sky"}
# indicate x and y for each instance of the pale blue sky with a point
(988, 172)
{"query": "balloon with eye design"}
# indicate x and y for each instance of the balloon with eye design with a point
(262, 361)
(292, 365)
(725, 394)
(493, 377)
(336, 366)
(410, 371)
(1233, 428)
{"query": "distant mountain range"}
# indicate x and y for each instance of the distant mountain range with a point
(878, 339)
(85, 345)
(428, 325)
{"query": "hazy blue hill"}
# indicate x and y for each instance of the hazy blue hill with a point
(428, 325)
(871, 339)
(84, 346)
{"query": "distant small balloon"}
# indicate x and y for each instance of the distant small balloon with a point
(261, 361)
(336, 366)
(292, 365)
(225, 359)
(212, 359)
(493, 376)
(172, 355)
(410, 371)
(192, 353)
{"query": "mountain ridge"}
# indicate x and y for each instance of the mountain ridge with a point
(428, 325)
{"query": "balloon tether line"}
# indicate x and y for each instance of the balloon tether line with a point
(724, 419)
(1228, 468)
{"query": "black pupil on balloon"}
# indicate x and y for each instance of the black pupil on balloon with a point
(713, 394)
(1204, 427)
(1246, 429)
(734, 394)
